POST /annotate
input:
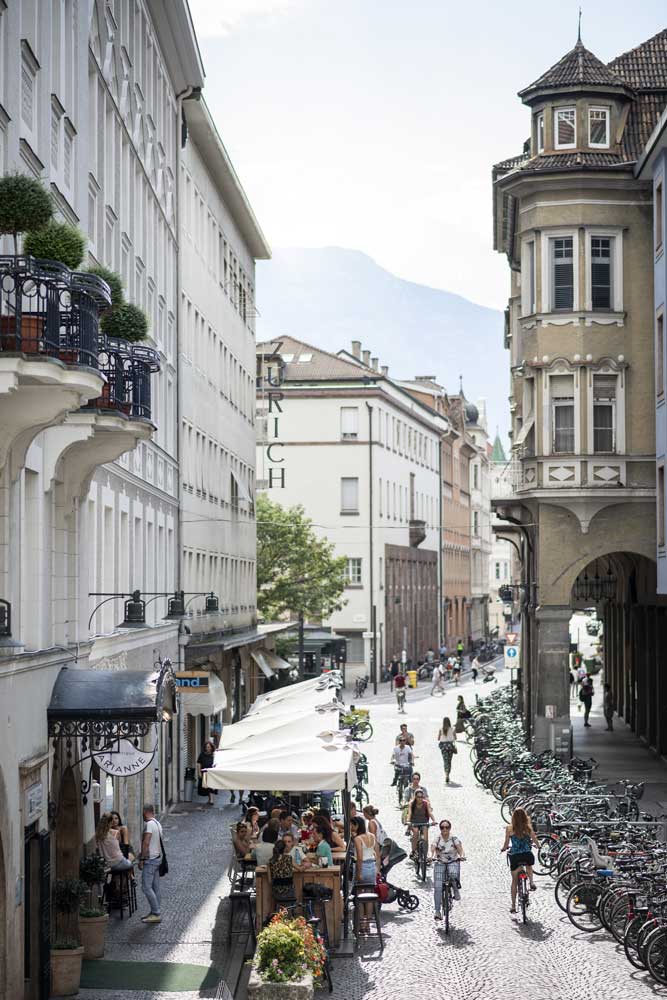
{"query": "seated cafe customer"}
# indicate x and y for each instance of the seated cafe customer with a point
(263, 852)
(287, 825)
(241, 839)
(109, 847)
(334, 839)
(324, 855)
(292, 848)
(281, 871)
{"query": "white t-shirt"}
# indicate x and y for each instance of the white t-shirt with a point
(402, 756)
(446, 850)
(155, 829)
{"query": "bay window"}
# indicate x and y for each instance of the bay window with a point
(604, 413)
(562, 413)
(565, 128)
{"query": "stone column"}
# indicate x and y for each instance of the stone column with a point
(551, 677)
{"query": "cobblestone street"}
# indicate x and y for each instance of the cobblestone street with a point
(488, 953)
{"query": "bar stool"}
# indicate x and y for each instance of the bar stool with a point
(365, 893)
(120, 891)
(245, 900)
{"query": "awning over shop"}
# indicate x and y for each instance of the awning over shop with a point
(228, 639)
(307, 722)
(208, 700)
(320, 767)
(110, 703)
(269, 663)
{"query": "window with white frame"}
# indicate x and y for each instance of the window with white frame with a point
(602, 272)
(562, 272)
(349, 495)
(562, 413)
(349, 422)
(354, 572)
(598, 127)
(565, 128)
(604, 413)
(539, 124)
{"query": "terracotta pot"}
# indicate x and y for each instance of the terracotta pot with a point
(69, 357)
(66, 971)
(93, 931)
(32, 329)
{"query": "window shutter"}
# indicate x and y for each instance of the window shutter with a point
(601, 272)
(563, 273)
(349, 421)
(349, 494)
(604, 387)
(562, 386)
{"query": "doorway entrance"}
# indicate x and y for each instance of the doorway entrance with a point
(36, 913)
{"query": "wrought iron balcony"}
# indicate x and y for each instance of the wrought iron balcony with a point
(50, 311)
(127, 369)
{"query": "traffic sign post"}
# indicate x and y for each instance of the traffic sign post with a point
(511, 638)
(512, 658)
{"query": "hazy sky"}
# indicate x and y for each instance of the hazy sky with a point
(373, 124)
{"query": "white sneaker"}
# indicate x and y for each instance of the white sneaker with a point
(152, 918)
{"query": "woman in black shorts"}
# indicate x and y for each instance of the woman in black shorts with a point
(519, 838)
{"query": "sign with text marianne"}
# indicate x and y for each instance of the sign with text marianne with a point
(124, 760)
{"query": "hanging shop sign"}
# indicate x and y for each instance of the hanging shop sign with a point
(124, 760)
(193, 680)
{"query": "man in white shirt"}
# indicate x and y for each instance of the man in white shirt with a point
(402, 757)
(149, 863)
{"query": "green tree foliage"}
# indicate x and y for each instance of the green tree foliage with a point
(56, 241)
(24, 205)
(297, 572)
(113, 280)
(126, 322)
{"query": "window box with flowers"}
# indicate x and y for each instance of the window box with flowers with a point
(289, 961)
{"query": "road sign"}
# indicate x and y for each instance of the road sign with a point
(511, 638)
(512, 657)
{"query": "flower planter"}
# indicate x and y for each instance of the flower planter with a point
(259, 989)
(93, 932)
(32, 329)
(66, 971)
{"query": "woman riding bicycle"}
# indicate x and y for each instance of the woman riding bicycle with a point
(519, 838)
(419, 816)
(447, 851)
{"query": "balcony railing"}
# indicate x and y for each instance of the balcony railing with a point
(127, 369)
(46, 309)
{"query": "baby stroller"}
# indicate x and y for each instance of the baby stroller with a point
(391, 854)
(488, 673)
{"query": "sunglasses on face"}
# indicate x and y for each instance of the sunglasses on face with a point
(445, 826)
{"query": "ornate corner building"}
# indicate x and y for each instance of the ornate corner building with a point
(575, 219)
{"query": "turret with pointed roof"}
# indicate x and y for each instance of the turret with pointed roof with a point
(498, 452)
(578, 69)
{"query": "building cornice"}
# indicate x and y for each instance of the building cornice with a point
(173, 26)
(433, 421)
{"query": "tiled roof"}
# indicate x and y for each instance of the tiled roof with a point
(320, 367)
(579, 66)
(644, 67)
(510, 164)
(565, 161)
(644, 114)
(498, 452)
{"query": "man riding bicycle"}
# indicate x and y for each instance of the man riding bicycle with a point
(402, 758)
(405, 735)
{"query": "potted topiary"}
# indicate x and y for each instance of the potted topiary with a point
(25, 205)
(115, 283)
(63, 244)
(66, 950)
(126, 322)
(93, 918)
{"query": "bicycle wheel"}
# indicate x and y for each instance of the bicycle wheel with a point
(360, 795)
(564, 885)
(364, 732)
(582, 906)
(547, 855)
(422, 859)
(446, 903)
(656, 954)
(630, 939)
(523, 898)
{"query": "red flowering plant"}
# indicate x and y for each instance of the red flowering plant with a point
(287, 949)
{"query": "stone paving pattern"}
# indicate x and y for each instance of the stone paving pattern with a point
(488, 954)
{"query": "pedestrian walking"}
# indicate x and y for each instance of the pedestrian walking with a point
(443, 652)
(457, 668)
(462, 714)
(608, 706)
(447, 744)
(459, 648)
(439, 678)
(205, 760)
(586, 698)
(149, 863)
(474, 671)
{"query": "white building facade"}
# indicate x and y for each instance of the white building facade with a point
(92, 102)
(361, 455)
(503, 556)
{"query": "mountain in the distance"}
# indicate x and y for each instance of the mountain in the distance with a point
(331, 296)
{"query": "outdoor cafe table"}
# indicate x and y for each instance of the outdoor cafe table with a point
(330, 877)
